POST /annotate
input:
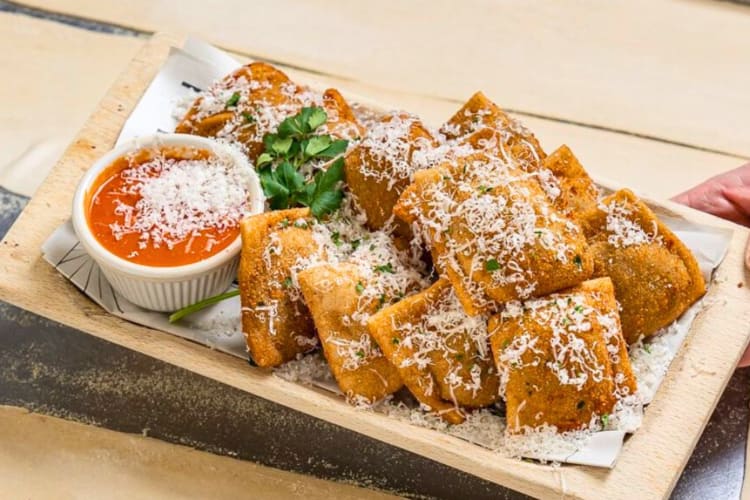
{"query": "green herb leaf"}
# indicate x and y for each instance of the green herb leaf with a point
(336, 148)
(578, 261)
(359, 288)
(336, 238)
(325, 203)
(317, 144)
(327, 180)
(386, 268)
(268, 141)
(193, 308)
(291, 127)
(491, 265)
(232, 101)
(287, 282)
(325, 197)
(263, 160)
(317, 117)
(248, 117)
(605, 419)
(277, 193)
(290, 177)
(281, 146)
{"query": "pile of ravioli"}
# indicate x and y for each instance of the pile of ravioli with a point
(466, 264)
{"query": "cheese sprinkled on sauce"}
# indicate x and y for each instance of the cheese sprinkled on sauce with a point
(181, 198)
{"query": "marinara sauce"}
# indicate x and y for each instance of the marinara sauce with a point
(167, 206)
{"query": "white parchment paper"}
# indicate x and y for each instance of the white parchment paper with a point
(194, 67)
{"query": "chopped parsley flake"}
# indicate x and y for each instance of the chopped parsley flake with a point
(386, 268)
(232, 102)
(491, 265)
(336, 238)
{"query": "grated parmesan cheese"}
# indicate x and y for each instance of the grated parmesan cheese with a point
(178, 199)
(623, 231)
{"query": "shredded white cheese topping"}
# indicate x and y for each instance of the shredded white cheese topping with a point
(623, 230)
(501, 219)
(447, 331)
(255, 114)
(178, 199)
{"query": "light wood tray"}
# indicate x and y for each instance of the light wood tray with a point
(651, 460)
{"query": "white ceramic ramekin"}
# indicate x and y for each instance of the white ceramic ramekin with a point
(163, 288)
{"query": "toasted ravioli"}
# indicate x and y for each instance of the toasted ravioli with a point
(382, 166)
(441, 353)
(577, 192)
(562, 177)
(655, 275)
(275, 320)
(562, 359)
(254, 100)
(479, 113)
(493, 233)
(333, 295)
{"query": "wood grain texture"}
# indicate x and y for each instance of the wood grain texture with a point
(71, 460)
(651, 460)
(53, 77)
(33, 145)
(669, 68)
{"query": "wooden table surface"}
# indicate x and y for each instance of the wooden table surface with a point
(652, 94)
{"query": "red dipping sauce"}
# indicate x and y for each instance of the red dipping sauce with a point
(168, 206)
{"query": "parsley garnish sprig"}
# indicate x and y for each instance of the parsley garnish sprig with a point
(294, 144)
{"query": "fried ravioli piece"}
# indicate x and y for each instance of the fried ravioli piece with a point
(276, 323)
(562, 177)
(493, 233)
(333, 296)
(562, 359)
(382, 166)
(515, 140)
(252, 102)
(655, 275)
(577, 192)
(441, 353)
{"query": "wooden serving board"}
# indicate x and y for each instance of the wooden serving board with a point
(651, 460)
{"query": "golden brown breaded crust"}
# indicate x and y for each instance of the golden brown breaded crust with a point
(656, 278)
(578, 193)
(372, 176)
(359, 366)
(478, 113)
(438, 365)
(553, 357)
(459, 257)
(276, 322)
(271, 89)
(342, 122)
